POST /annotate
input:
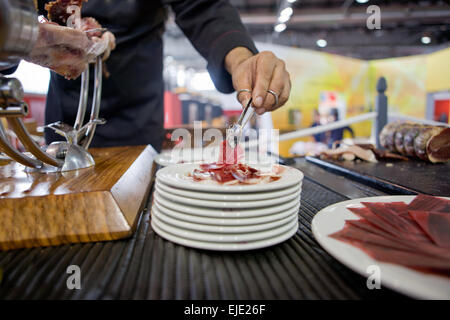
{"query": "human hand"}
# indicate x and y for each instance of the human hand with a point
(259, 73)
(68, 51)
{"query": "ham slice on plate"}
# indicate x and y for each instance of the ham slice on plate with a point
(230, 155)
(415, 235)
(429, 203)
(435, 224)
(229, 170)
(389, 215)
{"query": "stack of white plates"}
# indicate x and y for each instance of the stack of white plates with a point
(212, 216)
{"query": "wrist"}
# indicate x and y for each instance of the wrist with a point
(235, 57)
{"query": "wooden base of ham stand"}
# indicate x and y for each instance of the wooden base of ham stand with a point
(94, 204)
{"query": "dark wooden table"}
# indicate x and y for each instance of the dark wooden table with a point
(149, 267)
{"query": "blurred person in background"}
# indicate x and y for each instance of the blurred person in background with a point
(336, 135)
(318, 137)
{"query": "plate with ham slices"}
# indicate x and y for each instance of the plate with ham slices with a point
(405, 238)
(229, 178)
(226, 207)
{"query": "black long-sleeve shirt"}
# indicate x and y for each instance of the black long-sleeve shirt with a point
(132, 99)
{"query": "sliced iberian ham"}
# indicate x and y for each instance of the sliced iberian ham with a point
(429, 203)
(435, 224)
(229, 154)
(415, 235)
(232, 174)
(229, 170)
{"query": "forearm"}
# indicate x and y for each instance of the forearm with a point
(215, 29)
(235, 57)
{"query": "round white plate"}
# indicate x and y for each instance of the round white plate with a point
(220, 229)
(405, 280)
(177, 176)
(225, 213)
(227, 238)
(227, 221)
(164, 196)
(224, 246)
(226, 196)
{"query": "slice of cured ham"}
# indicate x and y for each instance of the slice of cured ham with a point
(435, 224)
(415, 235)
(229, 154)
(229, 170)
(397, 221)
(429, 203)
(232, 174)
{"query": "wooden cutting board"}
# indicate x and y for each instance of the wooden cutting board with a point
(93, 204)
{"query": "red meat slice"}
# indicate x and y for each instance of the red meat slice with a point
(426, 248)
(435, 224)
(399, 208)
(401, 257)
(429, 203)
(352, 232)
(396, 220)
(415, 235)
(230, 155)
(368, 215)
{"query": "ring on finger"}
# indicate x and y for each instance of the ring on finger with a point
(275, 96)
(242, 90)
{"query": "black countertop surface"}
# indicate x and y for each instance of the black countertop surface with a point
(146, 266)
(404, 177)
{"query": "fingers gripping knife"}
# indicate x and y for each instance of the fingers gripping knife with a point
(18, 33)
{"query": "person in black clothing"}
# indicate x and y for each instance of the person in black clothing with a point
(132, 99)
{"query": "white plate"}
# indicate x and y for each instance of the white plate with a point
(224, 246)
(177, 176)
(164, 196)
(405, 280)
(227, 238)
(220, 229)
(226, 196)
(225, 213)
(227, 221)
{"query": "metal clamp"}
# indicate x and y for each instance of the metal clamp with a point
(18, 34)
(13, 109)
(59, 156)
(79, 137)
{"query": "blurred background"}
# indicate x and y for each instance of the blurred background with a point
(333, 54)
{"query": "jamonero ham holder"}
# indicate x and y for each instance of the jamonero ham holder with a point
(66, 193)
